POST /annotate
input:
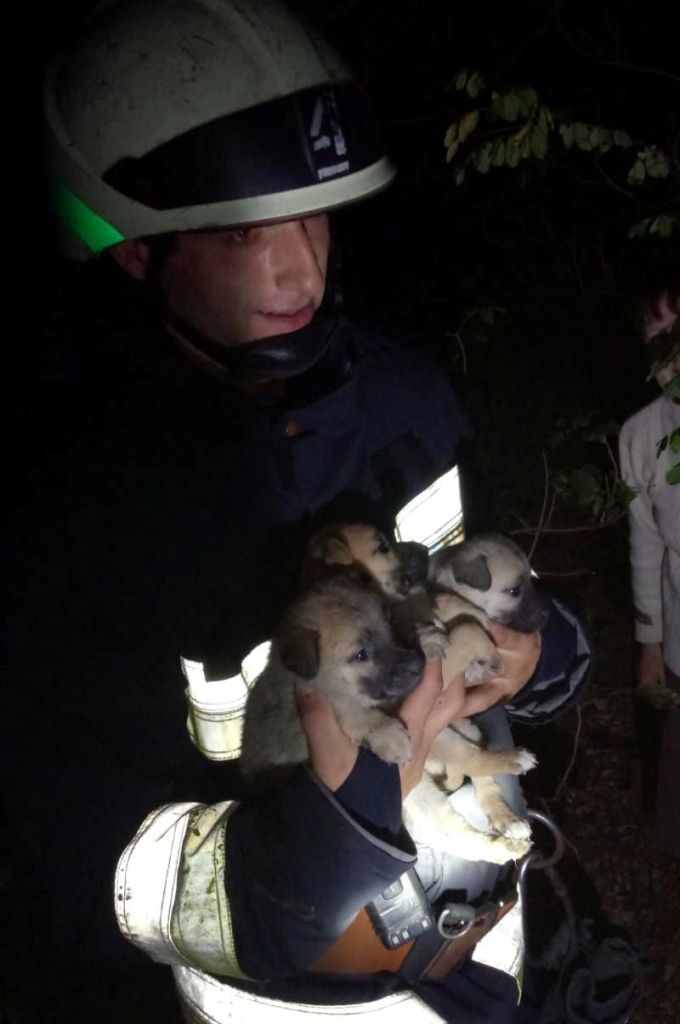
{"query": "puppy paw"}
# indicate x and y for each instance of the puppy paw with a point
(433, 639)
(391, 742)
(510, 848)
(509, 826)
(478, 668)
(521, 761)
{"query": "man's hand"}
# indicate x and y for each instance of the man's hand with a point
(331, 752)
(425, 712)
(651, 670)
(520, 653)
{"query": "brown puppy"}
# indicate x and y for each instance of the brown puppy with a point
(336, 638)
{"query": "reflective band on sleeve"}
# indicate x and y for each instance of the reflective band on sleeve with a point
(170, 898)
(217, 706)
(503, 946)
(201, 925)
(209, 1000)
(435, 516)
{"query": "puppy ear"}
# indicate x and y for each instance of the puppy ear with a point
(474, 572)
(299, 650)
(336, 552)
(470, 570)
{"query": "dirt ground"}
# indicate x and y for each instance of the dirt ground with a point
(598, 772)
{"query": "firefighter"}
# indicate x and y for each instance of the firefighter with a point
(201, 146)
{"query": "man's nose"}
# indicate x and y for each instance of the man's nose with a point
(298, 259)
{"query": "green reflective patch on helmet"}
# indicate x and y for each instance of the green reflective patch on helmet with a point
(93, 230)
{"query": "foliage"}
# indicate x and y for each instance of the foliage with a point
(512, 124)
(474, 330)
(588, 479)
(672, 442)
(584, 490)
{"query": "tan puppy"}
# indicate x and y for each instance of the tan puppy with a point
(336, 638)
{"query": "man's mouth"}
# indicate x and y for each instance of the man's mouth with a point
(282, 322)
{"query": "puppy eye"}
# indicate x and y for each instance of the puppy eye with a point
(361, 655)
(514, 591)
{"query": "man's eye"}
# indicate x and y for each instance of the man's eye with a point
(237, 236)
(383, 546)
(361, 655)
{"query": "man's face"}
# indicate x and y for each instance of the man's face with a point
(658, 325)
(236, 285)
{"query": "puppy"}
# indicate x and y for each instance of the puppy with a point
(487, 578)
(336, 638)
(395, 569)
(449, 626)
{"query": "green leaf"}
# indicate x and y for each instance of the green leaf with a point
(483, 162)
(675, 440)
(673, 475)
(475, 84)
(637, 173)
(461, 79)
(526, 101)
(640, 228)
(672, 389)
(582, 136)
(451, 151)
(510, 108)
(498, 153)
(539, 143)
(666, 225)
(459, 176)
(567, 133)
(468, 125)
(451, 134)
(605, 140)
(512, 151)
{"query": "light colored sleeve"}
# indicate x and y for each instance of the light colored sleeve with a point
(637, 456)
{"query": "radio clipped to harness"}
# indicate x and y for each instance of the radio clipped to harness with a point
(401, 912)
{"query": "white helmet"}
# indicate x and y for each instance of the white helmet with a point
(174, 115)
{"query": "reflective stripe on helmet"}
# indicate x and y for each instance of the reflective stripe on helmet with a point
(170, 898)
(210, 1000)
(88, 226)
(435, 516)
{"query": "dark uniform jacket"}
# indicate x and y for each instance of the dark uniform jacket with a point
(176, 528)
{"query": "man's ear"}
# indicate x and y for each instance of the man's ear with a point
(132, 256)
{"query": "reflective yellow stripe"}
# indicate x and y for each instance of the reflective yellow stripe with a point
(209, 1000)
(201, 925)
(435, 516)
(217, 706)
(503, 946)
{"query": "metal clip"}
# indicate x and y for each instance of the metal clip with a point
(455, 920)
(535, 860)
